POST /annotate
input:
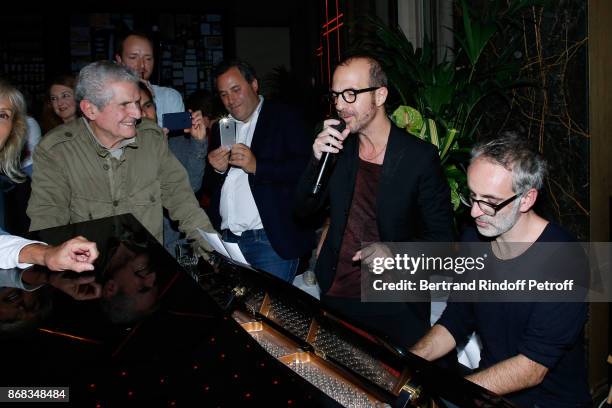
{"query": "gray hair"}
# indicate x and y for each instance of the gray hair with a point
(10, 160)
(93, 80)
(514, 154)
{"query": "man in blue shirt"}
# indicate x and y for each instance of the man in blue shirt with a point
(533, 353)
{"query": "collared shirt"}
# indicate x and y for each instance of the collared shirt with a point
(116, 151)
(167, 100)
(237, 207)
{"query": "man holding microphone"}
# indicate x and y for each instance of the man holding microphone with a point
(386, 186)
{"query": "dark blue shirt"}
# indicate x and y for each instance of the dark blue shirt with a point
(549, 333)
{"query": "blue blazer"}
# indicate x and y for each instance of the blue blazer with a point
(282, 148)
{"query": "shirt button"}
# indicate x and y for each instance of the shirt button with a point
(68, 134)
(106, 167)
(115, 203)
(152, 198)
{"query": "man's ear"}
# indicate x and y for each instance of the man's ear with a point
(255, 86)
(89, 109)
(118, 58)
(380, 95)
(528, 200)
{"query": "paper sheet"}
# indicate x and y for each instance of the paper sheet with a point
(228, 249)
(215, 242)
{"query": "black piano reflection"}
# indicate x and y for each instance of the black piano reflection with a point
(155, 337)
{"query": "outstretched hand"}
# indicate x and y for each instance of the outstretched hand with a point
(77, 254)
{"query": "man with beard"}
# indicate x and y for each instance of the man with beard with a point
(532, 352)
(386, 186)
(135, 51)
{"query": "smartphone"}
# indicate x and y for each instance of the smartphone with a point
(227, 127)
(177, 121)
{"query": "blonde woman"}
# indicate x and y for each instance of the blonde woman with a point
(76, 254)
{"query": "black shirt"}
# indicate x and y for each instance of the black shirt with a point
(548, 333)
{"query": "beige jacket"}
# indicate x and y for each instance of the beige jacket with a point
(75, 179)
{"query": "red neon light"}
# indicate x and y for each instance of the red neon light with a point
(333, 19)
(338, 26)
(331, 30)
(327, 28)
(327, 39)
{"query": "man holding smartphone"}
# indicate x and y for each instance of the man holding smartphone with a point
(135, 51)
(254, 179)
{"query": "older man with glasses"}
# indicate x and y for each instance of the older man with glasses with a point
(386, 186)
(532, 352)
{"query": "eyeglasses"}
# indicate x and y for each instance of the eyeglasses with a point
(349, 95)
(486, 207)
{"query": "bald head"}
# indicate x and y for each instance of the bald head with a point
(359, 80)
(376, 75)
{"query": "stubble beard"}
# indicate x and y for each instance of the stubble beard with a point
(499, 226)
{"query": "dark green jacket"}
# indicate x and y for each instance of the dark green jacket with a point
(75, 179)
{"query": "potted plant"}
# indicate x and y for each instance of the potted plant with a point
(443, 102)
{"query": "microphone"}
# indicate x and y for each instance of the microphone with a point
(326, 163)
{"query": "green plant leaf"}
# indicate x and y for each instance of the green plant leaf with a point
(437, 97)
(433, 133)
(408, 118)
(448, 142)
(455, 197)
(444, 103)
(476, 35)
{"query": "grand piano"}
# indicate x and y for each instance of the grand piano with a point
(193, 334)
